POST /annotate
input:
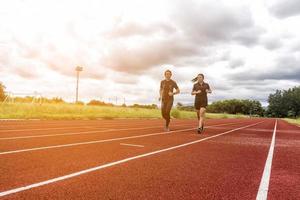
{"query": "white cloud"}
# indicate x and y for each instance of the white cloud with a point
(284, 9)
(245, 48)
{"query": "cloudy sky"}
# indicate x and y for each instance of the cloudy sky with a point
(246, 49)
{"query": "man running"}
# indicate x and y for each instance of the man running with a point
(200, 89)
(166, 96)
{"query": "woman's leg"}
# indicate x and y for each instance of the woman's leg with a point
(198, 114)
(202, 117)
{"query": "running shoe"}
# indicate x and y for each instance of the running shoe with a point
(199, 130)
(167, 129)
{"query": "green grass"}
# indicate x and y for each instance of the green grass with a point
(293, 121)
(71, 111)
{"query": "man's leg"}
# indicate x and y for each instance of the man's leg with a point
(168, 110)
(163, 109)
(164, 112)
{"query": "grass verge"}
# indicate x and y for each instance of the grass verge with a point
(71, 111)
(293, 121)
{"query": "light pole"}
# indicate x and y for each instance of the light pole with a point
(78, 69)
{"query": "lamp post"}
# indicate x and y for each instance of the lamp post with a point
(78, 69)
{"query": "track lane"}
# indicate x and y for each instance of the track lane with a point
(29, 140)
(6, 146)
(40, 124)
(285, 176)
(96, 126)
(78, 153)
(64, 156)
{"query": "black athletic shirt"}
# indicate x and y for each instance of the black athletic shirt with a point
(203, 87)
(167, 86)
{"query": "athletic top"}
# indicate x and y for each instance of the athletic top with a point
(167, 86)
(203, 87)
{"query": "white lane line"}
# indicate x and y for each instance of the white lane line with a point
(20, 189)
(11, 119)
(131, 145)
(78, 133)
(80, 122)
(44, 129)
(56, 128)
(92, 142)
(52, 135)
(91, 132)
(251, 129)
(60, 128)
(262, 193)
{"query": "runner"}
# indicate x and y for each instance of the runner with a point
(200, 89)
(166, 96)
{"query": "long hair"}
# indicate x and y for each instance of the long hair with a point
(196, 78)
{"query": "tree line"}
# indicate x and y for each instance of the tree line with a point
(231, 106)
(283, 103)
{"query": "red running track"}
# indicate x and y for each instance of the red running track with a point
(135, 159)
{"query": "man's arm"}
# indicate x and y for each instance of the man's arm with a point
(160, 91)
(176, 92)
(160, 94)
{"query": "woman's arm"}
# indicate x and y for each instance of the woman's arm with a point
(196, 92)
(208, 91)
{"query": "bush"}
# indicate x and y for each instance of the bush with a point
(80, 103)
(152, 106)
(99, 103)
(175, 113)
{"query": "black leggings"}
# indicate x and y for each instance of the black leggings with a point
(166, 107)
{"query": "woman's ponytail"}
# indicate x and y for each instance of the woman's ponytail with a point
(196, 78)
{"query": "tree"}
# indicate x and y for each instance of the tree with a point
(284, 103)
(2, 93)
(276, 106)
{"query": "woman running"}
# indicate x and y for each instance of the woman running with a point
(200, 89)
(166, 96)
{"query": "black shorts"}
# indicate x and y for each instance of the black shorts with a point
(200, 103)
